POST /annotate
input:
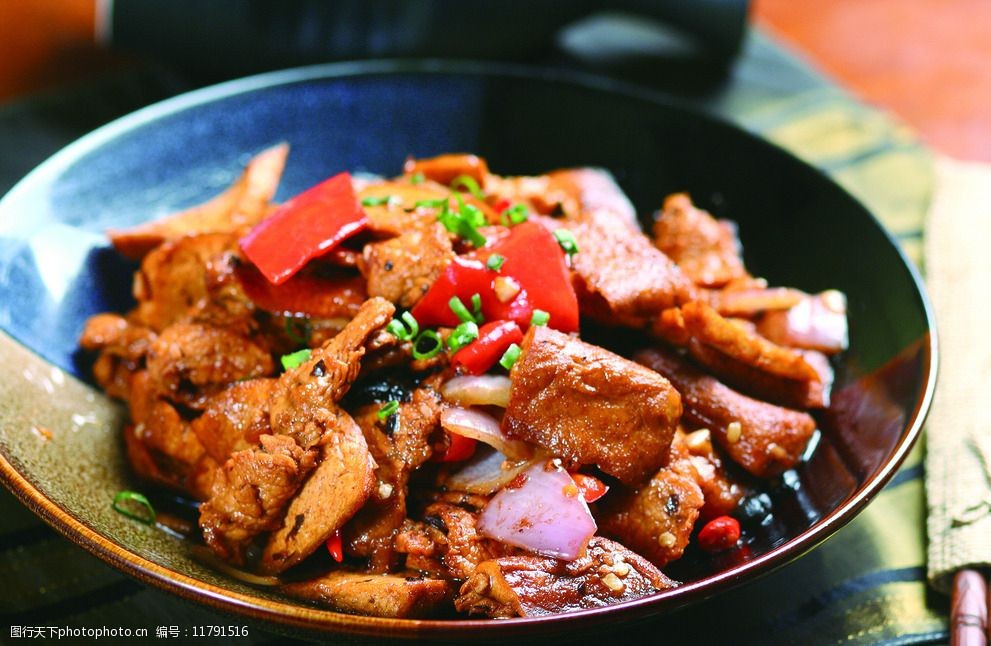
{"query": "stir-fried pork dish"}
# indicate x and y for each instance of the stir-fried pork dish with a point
(458, 393)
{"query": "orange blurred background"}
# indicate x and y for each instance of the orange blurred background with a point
(928, 61)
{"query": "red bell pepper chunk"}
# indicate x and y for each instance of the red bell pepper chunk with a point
(308, 225)
(533, 259)
(459, 448)
(493, 339)
(590, 487)
(336, 546)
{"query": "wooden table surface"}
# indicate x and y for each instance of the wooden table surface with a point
(928, 61)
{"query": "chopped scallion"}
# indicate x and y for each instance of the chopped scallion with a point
(134, 505)
(427, 345)
(567, 241)
(431, 204)
(510, 356)
(388, 410)
(460, 310)
(295, 359)
(540, 317)
(376, 200)
(515, 215)
(462, 336)
(495, 262)
(417, 178)
(476, 308)
(404, 329)
(469, 183)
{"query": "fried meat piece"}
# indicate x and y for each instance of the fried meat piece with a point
(531, 586)
(402, 269)
(762, 438)
(250, 494)
(301, 401)
(372, 531)
(235, 418)
(705, 249)
(404, 595)
(235, 210)
(590, 406)
(620, 277)
(444, 169)
(331, 495)
(122, 346)
(192, 279)
(656, 520)
(740, 356)
(190, 362)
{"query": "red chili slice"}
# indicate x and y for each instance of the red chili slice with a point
(493, 339)
(719, 534)
(336, 546)
(590, 487)
(459, 448)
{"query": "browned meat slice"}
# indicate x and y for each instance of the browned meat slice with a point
(189, 362)
(750, 301)
(372, 531)
(594, 189)
(402, 269)
(192, 278)
(161, 443)
(656, 520)
(335, 491)
(590, 406)
(705, 249)
(743, 358)
(721, 493)
(250, 493)
(235, 210)
(762, 438)
(122, 345)
(235, 418)
(620, 277)
(443, 169)
(464, 548)
(404, 595)
(531, 586)
(301, 404)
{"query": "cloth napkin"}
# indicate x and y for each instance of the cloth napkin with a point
(958, 460)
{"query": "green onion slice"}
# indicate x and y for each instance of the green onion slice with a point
(495, 262)
(540, 317)
(427, 345)
(376, 200)
(431, 204)
(417, 178)
(469, 183)
(388, 409)
(515, 215)
(567, 241)
(134, 505)
(295, 359)
(476, 308)
(460, 310)
(462, 335)
(404, 329)
(510, 356)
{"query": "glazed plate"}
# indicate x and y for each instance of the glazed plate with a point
(60, 446)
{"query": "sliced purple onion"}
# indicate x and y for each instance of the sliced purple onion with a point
(483, 390)
(543, 511)
(816, 323)
(483, 427)
(485, 473)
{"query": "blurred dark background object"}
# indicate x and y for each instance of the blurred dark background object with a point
(653, 40)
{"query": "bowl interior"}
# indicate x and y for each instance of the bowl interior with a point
(797, 227)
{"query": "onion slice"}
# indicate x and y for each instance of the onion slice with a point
(543, 511)
(484, 390)
(816, 323)
(484, 428)
(485, 473)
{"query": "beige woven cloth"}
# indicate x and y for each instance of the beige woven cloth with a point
(958, 436)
